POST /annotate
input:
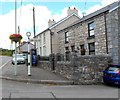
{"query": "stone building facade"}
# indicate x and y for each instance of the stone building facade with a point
(95, 34)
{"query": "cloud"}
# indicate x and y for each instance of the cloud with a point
(25, 22)
(99, 6)
(93, 9)
(107, 2)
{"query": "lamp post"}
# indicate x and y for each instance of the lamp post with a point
(28, 34)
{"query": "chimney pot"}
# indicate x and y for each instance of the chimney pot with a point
(51, 22)
(71, 11)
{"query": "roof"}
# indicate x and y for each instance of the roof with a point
(109, 8)
(59, 22)
(62, 20)
(24, 47)
(24, 44)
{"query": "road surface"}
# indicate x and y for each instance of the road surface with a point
(13, 89)
(4, 60)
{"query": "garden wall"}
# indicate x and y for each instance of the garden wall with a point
(86, 69)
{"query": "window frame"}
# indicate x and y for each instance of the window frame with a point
(66, 37)
(91, 52)
(73, 48)
(44, 38)
(67, 52)
(40, 39)
(44, 50)
(82, 47)
(40, 50)
(91, 29)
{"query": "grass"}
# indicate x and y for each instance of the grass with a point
(5, 52)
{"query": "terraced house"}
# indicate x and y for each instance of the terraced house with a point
(95, 34)
(48, 39)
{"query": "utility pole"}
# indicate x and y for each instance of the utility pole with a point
(34, 26)
(15, 17)
(15, 68)
(19, 42)
(18, 29)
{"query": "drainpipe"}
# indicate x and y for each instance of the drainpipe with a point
(51, 33)
(106, 33)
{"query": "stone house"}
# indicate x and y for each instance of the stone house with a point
(48, 39)
(95, 34)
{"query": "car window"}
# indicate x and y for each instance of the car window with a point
(19, 55)
(113, 68)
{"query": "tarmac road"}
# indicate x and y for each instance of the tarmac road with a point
(4, 60)
(13, 89)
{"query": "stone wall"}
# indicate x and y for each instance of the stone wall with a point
(86, 69)
(45, 65)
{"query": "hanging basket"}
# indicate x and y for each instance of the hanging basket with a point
(15, 38)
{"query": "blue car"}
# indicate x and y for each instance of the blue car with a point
(111, 75)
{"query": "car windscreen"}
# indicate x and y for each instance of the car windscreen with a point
(20, 56)
(114, 68)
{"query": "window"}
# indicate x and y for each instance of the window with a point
(67, 53)
(73, 48)
(66, 37)
(91, 48)
(82, 48)
(40, 40)
(44, 38)
(40, 50)
(67, 48)
(91, 29)
(44, 51)
(36, 44)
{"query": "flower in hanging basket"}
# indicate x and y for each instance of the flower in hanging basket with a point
(15, 38)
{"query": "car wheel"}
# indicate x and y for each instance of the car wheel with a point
(12, 63)
(106, 83)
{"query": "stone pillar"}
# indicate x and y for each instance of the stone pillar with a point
(52, 62)
(74, 60)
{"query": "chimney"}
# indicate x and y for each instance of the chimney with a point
(71, 11)
(51, 22)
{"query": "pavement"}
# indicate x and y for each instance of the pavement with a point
(38, 75)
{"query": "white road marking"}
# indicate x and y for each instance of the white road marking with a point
(5, 64)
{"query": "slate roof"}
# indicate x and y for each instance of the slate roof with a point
(109, 8)
(59, 22)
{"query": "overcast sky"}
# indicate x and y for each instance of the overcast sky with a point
(44, 10)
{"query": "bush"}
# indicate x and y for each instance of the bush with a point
(6, 52)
